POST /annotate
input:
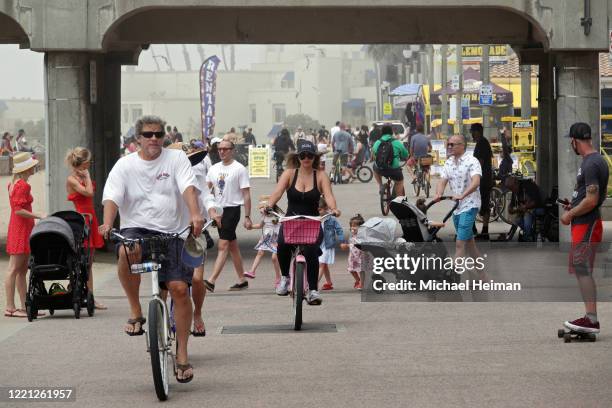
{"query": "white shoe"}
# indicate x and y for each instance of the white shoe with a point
(282, 289)
(314, 298)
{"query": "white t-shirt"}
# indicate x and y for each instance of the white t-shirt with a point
(333, 130)
(149, 193)
(322, 148)
(227, 182)
(207, 200)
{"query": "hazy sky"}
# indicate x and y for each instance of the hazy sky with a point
(22, 71)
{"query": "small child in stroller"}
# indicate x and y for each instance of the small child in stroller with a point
(420, 203)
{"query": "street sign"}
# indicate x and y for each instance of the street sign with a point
(387, 110)
(486, 95)
(455, 83)
(465, 108)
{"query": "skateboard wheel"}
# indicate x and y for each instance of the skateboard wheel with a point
(560, 333)
(567, 338)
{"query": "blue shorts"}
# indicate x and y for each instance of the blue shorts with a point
(464, 223)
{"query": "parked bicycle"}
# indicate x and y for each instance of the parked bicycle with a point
(160, 335)
(299, 230)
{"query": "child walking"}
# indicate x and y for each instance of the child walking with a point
(267, 243)
(332, 234)
(354, 259)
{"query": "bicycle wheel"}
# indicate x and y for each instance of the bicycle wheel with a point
(497, 197)
(504, 206)
(417, 184)
(427, 184)
(385, 198)
(298, 295)
(364, 174)
(158, 349)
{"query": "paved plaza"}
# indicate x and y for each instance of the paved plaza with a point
(417, 354)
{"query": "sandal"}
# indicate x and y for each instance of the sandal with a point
(183, 368)
(100, 306)
(198, 333)
(24, 313)
(9, 312)
(209, 286)
(139, 320)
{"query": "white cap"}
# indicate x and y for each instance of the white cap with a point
(215, 140)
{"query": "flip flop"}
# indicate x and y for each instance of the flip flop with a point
(9, 313)
(100, 306)
(133, 322)
(183, 368)
(249, 274)
(209, 286)
(22, 315)
(198, 333)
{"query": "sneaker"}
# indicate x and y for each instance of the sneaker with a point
(249, 274)
(239, 286)
(313, 298)
(282, 289)
(582, 325)
(327, 286)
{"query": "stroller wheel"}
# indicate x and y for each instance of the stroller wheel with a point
(91, 306)
(31, 311)
(51, 312)
(77, 310)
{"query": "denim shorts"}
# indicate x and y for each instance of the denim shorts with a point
(464, 223)
(172, 268)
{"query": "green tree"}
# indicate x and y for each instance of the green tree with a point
(292, 122)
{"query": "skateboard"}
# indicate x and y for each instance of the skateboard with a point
(569, 335)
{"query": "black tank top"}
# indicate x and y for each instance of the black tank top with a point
(303, 203)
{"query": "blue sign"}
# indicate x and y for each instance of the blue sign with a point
(208, 88)
(486, 95)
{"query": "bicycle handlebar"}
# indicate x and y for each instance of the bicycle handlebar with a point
(282, 218)
(117, 237)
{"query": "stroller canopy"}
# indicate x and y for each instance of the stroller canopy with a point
(377, 230)
(52, 228)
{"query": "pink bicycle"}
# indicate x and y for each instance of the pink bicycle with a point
(299, 230)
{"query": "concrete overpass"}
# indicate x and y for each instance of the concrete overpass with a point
(86, 41)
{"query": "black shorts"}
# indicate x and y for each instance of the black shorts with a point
(229, 223)
(485, 198)
(172, 269)
(393, 174)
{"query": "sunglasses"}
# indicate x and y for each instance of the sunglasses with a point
(451, 145)
(306, 155)
(224, 149)
(148, 135)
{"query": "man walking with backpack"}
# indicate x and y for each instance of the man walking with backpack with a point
(388, 152)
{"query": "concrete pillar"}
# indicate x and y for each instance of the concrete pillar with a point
(444, 97)
(546, 133)
(83, 102)
(525, 91)
(69, 122)
(577, 101)
(415, 68)
(430, 77)
(489, 131)
(459, 93)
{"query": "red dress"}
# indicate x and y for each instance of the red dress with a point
(18, 239)
(84, 205)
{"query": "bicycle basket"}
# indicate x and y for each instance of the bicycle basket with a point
(301, 231)
(426, 161)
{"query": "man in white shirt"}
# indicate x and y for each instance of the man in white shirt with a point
(299, 134)
(230, 182)
(334, 129)
(463, 172)
(154, 190)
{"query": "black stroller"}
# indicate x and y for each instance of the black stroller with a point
(415, 229)
(58, 253)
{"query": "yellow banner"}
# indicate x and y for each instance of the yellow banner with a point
(468, 51)
(523, 135)
(259, 162)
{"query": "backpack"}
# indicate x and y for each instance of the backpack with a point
(384, 155)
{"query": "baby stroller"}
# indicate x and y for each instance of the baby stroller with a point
(58, 253)
(416, 229)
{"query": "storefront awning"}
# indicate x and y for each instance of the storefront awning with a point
(471, 81)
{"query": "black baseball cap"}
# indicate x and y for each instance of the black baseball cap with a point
(579, 130)
(306, 146)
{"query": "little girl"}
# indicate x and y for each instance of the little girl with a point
(332, 233)
(269, 237)
(354, 259)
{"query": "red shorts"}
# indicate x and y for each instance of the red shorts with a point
(581, 249)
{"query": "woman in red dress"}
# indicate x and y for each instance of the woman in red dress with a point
(20, 227)
(80, 190)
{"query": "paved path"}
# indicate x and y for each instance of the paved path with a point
(383, 354)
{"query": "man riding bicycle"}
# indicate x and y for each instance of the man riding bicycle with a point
(155, 191)
(283, 144)
(388, 152)
(342, 145)
(420, 146)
